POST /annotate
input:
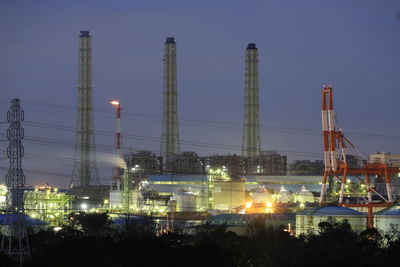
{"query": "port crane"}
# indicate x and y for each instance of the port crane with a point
(336, 147)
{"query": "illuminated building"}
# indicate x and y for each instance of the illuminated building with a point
(48, 204)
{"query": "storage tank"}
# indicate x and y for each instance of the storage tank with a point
(262, 196)
(307, 221)
(304, 196)
(185, 201)
(283, 196)
(388, 219)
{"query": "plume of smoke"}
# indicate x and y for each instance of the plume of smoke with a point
(112, 160)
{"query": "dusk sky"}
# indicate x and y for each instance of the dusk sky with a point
(352, 45)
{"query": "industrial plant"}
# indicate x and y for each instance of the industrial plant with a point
(174, 186)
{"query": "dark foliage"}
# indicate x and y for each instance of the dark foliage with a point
(93, 241)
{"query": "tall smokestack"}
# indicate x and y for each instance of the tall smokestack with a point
(170, 131)
(85, 170)
(251, 133)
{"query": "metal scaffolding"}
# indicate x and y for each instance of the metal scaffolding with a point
(15, 239)
(85, 172)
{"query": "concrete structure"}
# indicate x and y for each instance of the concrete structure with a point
(170, 131)
(85, 171)
(308, 220)
(251, 135)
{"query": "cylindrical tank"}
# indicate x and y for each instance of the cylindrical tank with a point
(388, 219)
(185, 201)
(308, 220)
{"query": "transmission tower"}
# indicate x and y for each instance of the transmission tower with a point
(170, 131)
(251, 131)
(85, 170)
(15, 239)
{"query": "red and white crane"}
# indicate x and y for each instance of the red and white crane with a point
(337, 166)
(118, 146)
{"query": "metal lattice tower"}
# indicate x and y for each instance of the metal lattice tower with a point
(85, 170)
(15, 239)
(251, 131)
(170, 131)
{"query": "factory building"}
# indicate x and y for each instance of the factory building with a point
(185, 162)
(266, 163)
(248, 224)
(233, 164)
(209, 192)
(143, 163)
(47, 204)
(228, 195)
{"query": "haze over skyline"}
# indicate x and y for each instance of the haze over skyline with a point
(352, 45)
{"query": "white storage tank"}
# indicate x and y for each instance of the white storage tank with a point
(307, 221)
(304, 196)
(283, 196)
(388, 219)
(185, 201)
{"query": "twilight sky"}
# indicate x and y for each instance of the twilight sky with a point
(352, 45)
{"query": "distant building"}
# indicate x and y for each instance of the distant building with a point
(233, 164)
(185, 162)
(48, 204)
(306, 167)
(143, 162)
(267, 163)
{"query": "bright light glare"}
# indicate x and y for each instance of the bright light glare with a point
(269, 205)
(114, 102)
(84, 206)
(248, 204)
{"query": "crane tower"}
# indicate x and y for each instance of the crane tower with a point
(336, 146)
